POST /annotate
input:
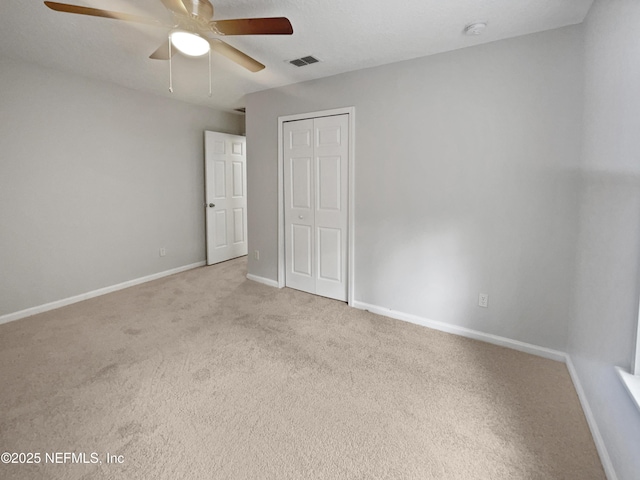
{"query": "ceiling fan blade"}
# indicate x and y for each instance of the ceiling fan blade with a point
(235, 55)
(176, 6)
(253, 26)
(162, 53)
(94, 12)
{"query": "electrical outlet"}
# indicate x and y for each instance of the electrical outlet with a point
(163, 251)
(483, 300)
(256, 254)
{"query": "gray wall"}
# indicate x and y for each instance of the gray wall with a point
(606, 309)
(94, 178)
(466, 182)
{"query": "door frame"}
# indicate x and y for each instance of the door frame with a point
(351, 112)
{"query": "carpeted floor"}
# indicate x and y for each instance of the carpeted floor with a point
(207, 375)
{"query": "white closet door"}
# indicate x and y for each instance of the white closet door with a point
(316, 192)
(299, 205)
(331, 193)
(226, 195)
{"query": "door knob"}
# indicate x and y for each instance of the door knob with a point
(211, 205)
(300, 217)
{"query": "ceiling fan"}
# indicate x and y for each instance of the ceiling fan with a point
(192, 29)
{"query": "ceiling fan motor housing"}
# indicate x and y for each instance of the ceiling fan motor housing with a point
(201, 9)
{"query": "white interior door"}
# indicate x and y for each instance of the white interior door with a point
(299, 205)
(226, 196)
(316, 205)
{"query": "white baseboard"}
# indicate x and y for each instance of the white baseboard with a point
(95, 293)
(593, 426)
(264, 281)
(464, 332)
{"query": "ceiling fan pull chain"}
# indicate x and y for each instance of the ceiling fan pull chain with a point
(210, 89)
(170, 68)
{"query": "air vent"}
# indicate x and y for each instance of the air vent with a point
(301, 62)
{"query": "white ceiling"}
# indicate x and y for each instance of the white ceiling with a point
(345, 34)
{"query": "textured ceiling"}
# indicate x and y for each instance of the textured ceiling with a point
(345, 34)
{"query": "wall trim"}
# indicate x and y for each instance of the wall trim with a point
(10, 317)
(607, 464)
(464, 332)
(263, 280)
(631, 384)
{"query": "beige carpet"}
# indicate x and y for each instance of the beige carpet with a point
(207, 375)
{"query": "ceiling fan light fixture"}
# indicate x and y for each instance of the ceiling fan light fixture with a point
(189, 43)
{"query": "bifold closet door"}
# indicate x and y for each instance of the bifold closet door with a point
(316, 170)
